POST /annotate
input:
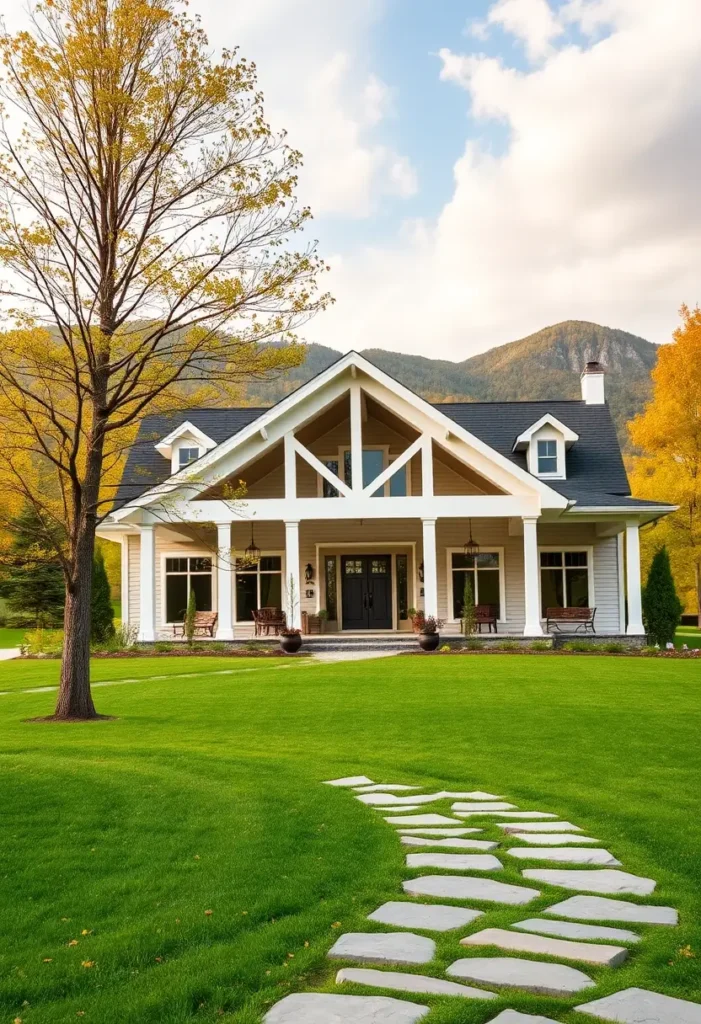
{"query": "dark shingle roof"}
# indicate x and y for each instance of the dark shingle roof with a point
(596, 475)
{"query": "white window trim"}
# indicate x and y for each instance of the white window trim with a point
(186, 445)
(589, 548)
(283, 587)
(199, 553)
(488, 549)
(560, 473)
(386, 461)
(547, 440)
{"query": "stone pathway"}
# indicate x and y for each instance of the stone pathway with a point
(542, 838)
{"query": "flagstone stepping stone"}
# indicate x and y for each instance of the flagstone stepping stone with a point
(398, 801)
(594, 881)
(490, 805)
(600, 955)
(505, 814)
(639, 1006)
(350, 780)
(319, 1008)
(403, 810)
(514, 1017)
(566, 855)
(429, 917)
(423, 819)
(438, 831)
(383, 948)
(410, 983)
(451, 844)
(486, 889)
(381, 787)
(541, 826)
(454, 861)
(598, 908)
(529, 975)
(570, 930)
(549, 838)
(475, 795)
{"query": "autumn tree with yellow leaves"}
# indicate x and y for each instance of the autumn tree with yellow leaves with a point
(668, 433)
(146, 212)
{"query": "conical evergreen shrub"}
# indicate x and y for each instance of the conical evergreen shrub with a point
(662, 609)
(101, 611)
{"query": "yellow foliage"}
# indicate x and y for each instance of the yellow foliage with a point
(668, 433)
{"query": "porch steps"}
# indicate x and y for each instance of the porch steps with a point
(388, 644)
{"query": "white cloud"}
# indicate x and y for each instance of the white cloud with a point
(531, 21)
(319, 87)
(592, 210)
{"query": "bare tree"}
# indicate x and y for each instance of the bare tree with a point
(146, 210)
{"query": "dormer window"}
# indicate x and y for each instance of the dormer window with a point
(186, 456)
(547, 457)
(546, 443)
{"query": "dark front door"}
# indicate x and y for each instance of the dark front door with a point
(367, 591)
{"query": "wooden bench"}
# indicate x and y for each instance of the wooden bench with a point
(486, 614)
(266, 619)
(205, 624)
(559, 617)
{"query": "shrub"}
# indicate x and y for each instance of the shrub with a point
(540, 645)
(190, 618)
(42, 641)
(475, 644)
(445, 648)
(507, 645)
(163, 646)
(468, 608)
(101, 610)
(431, 624)
(650, 649)
(581, 646)
(662, 609)
(614, 647)
(122, 638)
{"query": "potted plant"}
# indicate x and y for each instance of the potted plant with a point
(290, 639)
(417, 619)
(429, 635)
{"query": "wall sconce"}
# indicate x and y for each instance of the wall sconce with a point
(308, 573)
(421, 573)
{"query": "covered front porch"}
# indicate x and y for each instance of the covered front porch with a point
(366, 578)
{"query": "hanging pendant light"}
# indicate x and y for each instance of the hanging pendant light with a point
(252, 552)
(471, 548)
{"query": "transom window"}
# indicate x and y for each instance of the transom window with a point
(182, 576)
(186, 456)
(547, 457)
(564, 579)
(258, 586)
(482, 571)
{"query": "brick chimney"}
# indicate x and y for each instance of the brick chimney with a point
(593, 392)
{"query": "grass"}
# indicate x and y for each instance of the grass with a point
(204, 794)
(11, 637)
(690, 635)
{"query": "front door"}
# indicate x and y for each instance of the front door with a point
(367, 591)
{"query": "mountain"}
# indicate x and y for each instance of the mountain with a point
(546, 364)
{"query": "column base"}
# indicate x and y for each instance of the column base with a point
(146, 637)
(535, 630)
(635, 629)
(224, 633)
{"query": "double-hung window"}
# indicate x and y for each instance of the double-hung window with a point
(186, 456)
(564, 579)
(183, 575)
(547, 457)
(482, 572)
(258, 586)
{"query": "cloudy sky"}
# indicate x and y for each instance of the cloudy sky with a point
(479, 169)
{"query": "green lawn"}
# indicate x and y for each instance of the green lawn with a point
(689, 635)
(11, 637)
(204, 794)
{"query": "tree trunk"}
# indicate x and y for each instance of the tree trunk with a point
(74, 697)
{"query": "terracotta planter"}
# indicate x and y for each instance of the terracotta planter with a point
(292, 643)
(429, 641)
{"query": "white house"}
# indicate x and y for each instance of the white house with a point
(361, 498)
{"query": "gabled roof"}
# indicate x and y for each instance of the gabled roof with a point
(596, 475)
(165, 447)
(524, 439)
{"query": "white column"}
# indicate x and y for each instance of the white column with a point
(225, 625)
(124, 574)
(293, 593)
(427, 466)
(147, 584)
(290, 468)
(635, 607)
(430, 568)
(621, 559)
(531, 571)
(356, 437)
